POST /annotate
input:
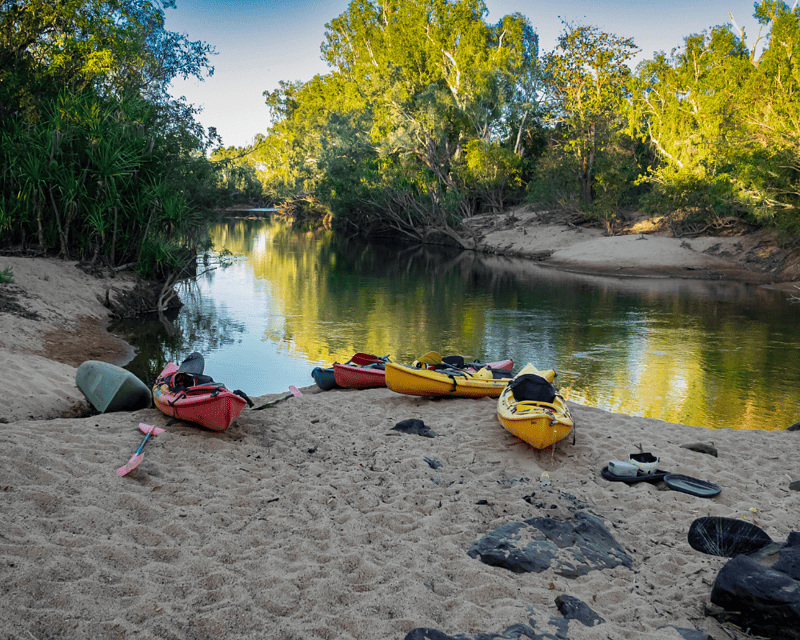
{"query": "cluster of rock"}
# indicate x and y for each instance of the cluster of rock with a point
(572, 548)
(759, 591)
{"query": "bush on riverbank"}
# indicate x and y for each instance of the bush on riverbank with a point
(97, 161)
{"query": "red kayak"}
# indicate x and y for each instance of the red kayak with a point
(351, 375)
(193, 397)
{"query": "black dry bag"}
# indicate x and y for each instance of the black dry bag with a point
(532, 388)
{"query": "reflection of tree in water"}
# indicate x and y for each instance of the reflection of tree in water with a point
(204, 326)
(154, 345)
(198, 326)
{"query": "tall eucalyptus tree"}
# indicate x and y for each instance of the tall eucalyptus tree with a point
(587, 76)
(415, 87)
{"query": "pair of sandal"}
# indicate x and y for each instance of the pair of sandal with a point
(675, 481)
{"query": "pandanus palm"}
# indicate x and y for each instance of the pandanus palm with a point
(33, 173)
(114, 160)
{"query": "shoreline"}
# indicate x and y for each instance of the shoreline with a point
(642, 250)
(314, 518)
(69, 322)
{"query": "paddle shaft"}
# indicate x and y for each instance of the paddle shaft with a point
(294, 392)
(141, 446)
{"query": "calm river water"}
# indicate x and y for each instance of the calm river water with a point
(704, 353)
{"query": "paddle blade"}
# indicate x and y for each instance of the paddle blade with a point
(294, 392)
(726, 537)
(130, 465)
(432, 357)
(149, 428)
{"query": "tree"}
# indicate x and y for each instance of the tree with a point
(434, 76)
(112, 46)
(587, 77)
(95, 157)
(724, 118)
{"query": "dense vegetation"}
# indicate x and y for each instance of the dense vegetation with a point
(97, 162)
(430, 115)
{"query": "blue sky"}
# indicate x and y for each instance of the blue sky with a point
(262, 42)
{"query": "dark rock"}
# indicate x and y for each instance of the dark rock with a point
(573, 609)
(794, 427)
(702, 447)
(574, 547)
(514, 632)
(433, 464)
(795, 486)
(414, 427)
(789, 557)
(688, 634)
(422, 633)
(762, 599)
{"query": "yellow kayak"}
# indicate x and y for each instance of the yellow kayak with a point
(537, 422)
(415, 381)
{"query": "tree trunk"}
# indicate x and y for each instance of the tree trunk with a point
(586, 178)
(37, 203)
(62, 236)
(114, 238)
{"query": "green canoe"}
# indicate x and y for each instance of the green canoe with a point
(111, 388)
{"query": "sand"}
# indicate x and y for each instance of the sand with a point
(315, 519)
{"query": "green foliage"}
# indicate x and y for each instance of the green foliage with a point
(588, 78)
(96, 161)
(382, 140)
(492, 171)
(724, 122)
(236, 176)
(6, 276)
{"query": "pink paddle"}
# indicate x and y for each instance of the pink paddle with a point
(136, 460)
(294, 392)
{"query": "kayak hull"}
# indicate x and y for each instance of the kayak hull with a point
(540, 424)
(416, 381)
(364, 377)
(111, 388)
(324, 377)
(350, 376)
(213, 408)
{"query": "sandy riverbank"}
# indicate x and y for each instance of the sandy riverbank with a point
(315, 519)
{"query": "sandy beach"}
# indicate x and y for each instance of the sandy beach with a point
(315, 518)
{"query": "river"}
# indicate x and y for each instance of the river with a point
(279, 302)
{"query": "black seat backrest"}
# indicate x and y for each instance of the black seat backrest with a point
(454, 361)
(532, 388)
(183, 380)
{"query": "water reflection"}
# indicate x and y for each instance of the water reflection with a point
(705, 353)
